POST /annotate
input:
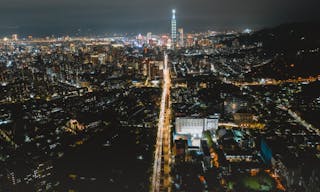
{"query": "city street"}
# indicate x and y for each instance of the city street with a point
(161, 170)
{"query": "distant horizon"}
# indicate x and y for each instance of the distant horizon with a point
(97, 17)
(92, 33)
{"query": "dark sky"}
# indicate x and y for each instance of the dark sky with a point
(61, 17)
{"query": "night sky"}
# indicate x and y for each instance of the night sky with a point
(63, 17)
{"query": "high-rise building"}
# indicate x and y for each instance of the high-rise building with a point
(14, 37)
(190, 40)
(149, 36)
(173, 27)
(181, 37)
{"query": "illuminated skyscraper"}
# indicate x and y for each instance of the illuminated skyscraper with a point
(15, 37)
(149, 37)
(181, 37)
(173, 28)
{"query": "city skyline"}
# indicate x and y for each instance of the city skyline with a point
(98, 17)
(159, 96)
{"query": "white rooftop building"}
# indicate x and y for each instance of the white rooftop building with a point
(195, 126)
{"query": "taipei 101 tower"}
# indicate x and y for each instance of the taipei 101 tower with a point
(173, 28)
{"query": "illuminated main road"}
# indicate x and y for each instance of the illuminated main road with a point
(161, 167)
(274, 81)
(299, 119)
